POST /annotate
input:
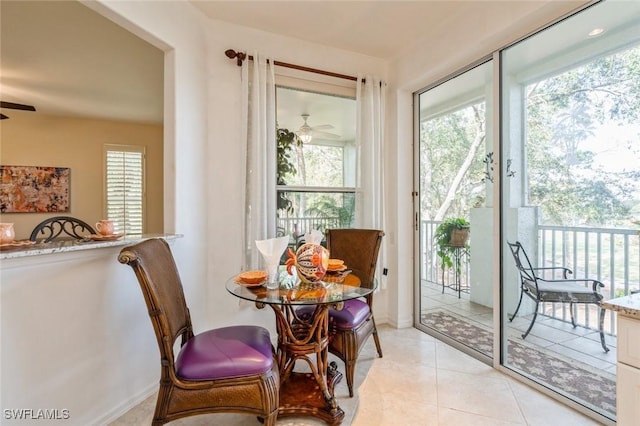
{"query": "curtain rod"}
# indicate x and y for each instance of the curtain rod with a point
(241, 56)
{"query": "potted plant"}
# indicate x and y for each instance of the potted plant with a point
(451, 235)
(287, 141)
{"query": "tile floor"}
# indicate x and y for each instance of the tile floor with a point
(420, 381)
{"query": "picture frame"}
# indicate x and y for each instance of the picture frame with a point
(34, 189)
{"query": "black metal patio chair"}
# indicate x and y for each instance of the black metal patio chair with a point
(564, 290)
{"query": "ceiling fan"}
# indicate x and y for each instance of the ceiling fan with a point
(307, 132)
(12, 105)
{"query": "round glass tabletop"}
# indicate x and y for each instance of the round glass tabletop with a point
(291, 291)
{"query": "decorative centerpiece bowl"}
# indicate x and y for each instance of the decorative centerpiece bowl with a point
(310, 260)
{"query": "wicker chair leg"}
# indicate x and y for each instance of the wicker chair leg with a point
(164, 393)
(349, 371)
(270, 420)
(376, 339)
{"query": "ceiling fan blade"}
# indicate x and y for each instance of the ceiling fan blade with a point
(12, 105)
(2, 117)
(322, 127)
(326, 135)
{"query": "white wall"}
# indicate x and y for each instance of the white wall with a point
(75, 336)
(75, 331)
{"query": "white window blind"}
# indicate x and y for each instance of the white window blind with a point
(124, 187)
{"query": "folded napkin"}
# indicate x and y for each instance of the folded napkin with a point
(313, 237)
(271, 250)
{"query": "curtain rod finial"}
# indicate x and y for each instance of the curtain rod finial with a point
(239, 56)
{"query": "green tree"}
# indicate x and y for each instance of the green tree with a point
(338, 206)
(452, 170)
(563, 112)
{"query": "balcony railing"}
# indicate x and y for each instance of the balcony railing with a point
(295, 226)
(609, 255)
(430, 269)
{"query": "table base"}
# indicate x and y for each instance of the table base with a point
(300, 394)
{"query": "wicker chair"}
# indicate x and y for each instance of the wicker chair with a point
(564, 290)
(351, 326)
(229, 369)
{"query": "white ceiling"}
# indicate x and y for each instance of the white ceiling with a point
(66, 59)
(380, 29)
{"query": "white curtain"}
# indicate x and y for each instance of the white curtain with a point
(370, 130)
(259, 135)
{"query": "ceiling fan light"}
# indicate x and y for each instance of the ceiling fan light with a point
(305, 137)
(305, 134)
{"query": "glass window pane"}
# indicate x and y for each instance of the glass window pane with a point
(571, 162)
(316, 160)
(316, 210)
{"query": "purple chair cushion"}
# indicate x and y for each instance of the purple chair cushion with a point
(354, 312)
(225, 353)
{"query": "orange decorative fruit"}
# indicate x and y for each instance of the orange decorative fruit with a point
(310, 260)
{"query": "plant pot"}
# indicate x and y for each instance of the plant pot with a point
(459, 237)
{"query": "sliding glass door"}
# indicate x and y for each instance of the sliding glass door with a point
(454, 159)
(566, 172)
(570, 190)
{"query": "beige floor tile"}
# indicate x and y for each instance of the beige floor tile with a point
(376, 407)
(398, 381)
(486, 395)
(420, 381)
(451, 417)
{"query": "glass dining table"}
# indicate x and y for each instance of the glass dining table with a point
(305, 337)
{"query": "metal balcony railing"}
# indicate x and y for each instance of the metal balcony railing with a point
(430, 268)
(609, 255)
(295, 226)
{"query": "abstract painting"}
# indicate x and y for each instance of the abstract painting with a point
(31, 189)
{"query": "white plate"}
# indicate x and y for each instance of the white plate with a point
(246, 284)
(14, 244)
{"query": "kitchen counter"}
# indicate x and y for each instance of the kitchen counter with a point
(626, 305)
(66, 246)
(628, 365)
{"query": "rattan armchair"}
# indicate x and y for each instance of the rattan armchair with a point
(351, 326)
(229, 369)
